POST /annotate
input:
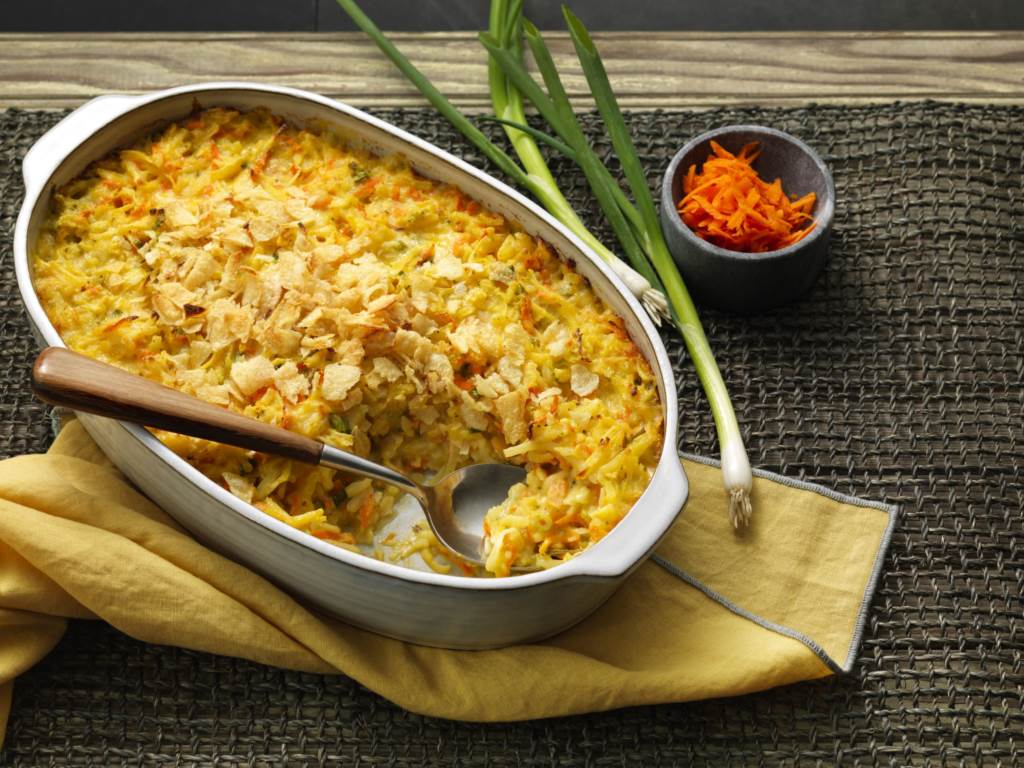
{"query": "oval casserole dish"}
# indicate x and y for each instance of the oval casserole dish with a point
(421, 607)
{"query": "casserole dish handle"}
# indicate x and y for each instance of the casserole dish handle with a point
(664, 499)
(53, 146)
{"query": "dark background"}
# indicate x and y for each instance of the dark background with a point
(412, 15)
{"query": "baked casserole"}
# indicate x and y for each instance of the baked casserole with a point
(281, 272)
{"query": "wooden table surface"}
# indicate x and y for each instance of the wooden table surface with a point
(648, 70)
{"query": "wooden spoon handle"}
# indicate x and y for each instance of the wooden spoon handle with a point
(63, 377)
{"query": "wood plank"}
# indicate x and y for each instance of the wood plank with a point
(648, 70)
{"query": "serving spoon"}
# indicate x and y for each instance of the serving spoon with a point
(454, 505)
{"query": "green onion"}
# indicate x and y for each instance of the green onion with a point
(553, 82)
(536, 178)
(736, 472)
(536, 133)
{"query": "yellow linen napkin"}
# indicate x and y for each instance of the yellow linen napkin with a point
(714, 613)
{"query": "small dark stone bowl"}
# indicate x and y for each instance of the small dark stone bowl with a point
(748, 282)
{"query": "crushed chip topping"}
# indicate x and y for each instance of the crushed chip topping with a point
(339, 378)
(291, 382)
(584, 381)
(252, 374)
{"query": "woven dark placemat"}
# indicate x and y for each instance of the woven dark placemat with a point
(898, 378)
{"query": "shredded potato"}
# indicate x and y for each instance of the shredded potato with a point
(286, 275)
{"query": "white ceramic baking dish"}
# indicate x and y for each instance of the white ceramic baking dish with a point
(422, 607)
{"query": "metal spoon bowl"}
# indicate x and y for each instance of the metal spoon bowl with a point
(454, 505)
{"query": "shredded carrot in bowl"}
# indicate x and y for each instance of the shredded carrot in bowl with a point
(728, 204)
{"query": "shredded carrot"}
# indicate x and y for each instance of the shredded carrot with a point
(728, 204)
(367, 186)
(526, 315)
(330, 535)
(366, 512)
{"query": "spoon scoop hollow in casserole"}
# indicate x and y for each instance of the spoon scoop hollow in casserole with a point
(454, 505)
